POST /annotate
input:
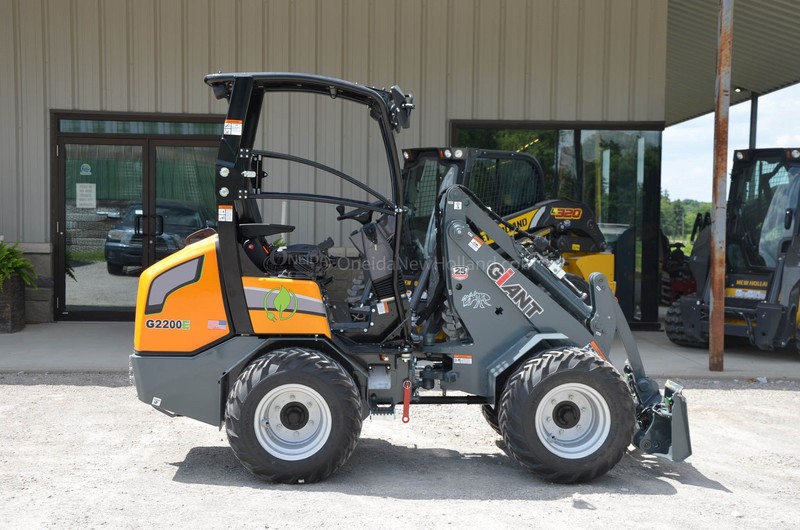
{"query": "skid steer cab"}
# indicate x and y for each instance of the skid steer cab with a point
(239, 331)
(762, 251)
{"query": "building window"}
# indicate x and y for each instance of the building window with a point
(616, 172)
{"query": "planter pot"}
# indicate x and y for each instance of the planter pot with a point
(12, 305)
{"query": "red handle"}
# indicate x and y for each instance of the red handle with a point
(406, 399)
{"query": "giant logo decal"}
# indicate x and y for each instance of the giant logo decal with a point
(514, 291)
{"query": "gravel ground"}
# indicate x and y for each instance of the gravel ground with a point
(82, 451)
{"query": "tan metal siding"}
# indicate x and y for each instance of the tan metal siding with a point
(591, 66)
(142, 52)
(9, 170)
(515, 37)
(88, 48)
(58, 46)
(430, 82)
(539, 60)
(114, 70)
(486, 42)
(169, 57)
(196, 23)
(32, 194)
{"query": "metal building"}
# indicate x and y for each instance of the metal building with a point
(104, 113)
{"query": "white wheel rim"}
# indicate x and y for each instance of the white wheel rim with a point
(292, 422)
(573, 421)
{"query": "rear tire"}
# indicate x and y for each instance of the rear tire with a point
(293, 416)
(676, 333)
(567, 416)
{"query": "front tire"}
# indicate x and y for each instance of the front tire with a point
(114, 269)
(567, 416)
(293, 416)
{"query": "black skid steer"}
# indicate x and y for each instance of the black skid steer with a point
(762, 269)
(252, 341)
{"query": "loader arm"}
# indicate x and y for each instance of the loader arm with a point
(534, 302)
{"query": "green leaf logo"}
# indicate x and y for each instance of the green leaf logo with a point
(283, 301)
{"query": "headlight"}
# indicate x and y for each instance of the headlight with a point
(116, 234)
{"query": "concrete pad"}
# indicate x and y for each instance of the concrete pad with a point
(68, 347)
(105, 347)
(664, 359)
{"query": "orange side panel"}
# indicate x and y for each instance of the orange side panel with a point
(193, 315)
(283, 306)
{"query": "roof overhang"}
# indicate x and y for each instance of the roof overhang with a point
(766, 52)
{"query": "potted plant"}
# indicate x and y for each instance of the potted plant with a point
(15, 272)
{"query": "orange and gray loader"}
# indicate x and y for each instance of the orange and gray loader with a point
(236, 331)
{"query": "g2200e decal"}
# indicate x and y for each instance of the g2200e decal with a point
(157, 323)
(514, 291)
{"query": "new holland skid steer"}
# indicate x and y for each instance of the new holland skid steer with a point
(762, 270)
(511, 184)
(230, 330)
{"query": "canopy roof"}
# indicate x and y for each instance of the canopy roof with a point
(766, 52)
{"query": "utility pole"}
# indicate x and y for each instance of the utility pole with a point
(716, 343)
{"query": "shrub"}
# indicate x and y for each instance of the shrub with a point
(12, 262)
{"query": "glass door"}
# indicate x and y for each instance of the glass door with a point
(100, 225)
(184, 193)
(127, 190)
(126, 205)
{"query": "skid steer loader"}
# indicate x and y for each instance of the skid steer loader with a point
(230, 336)
(762, 270)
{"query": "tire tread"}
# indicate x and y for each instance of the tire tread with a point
(518, 390)
(300, 360)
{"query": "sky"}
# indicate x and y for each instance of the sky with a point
(687, 164)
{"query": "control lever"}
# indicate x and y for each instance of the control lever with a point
(359, 214)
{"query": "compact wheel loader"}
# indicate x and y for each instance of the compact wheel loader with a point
(762, 269)
(233, 331)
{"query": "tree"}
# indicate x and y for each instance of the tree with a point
(677, 217)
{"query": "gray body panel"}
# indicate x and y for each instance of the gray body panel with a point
(191, 386)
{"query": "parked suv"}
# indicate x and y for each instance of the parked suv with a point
(174, 221)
